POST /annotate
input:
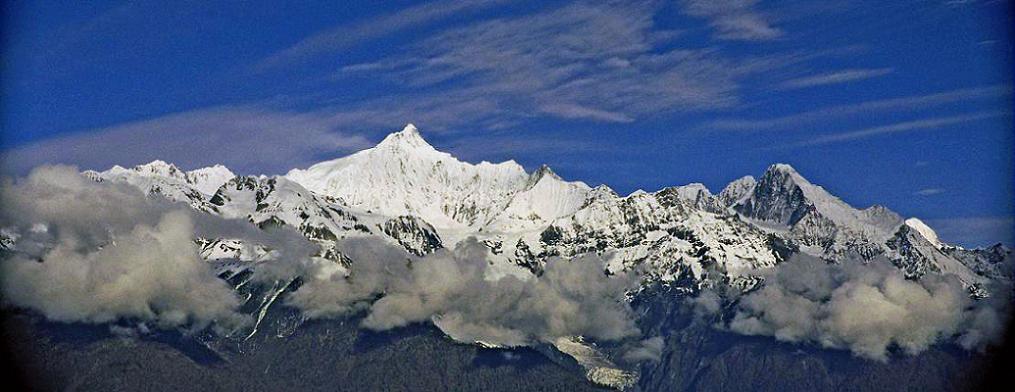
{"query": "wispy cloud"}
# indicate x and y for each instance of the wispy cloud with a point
(929, 192)
(959, 3)
(976, 231)
(849, 75)
(592, 62)
(349, 35)
(577, 111)
(249, 139)
(734, 19)
(597, 62)
(509, 146)
(906, 126)
(838, 111)
(433, 112)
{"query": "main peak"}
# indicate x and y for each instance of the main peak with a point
(410, 129)
(407, 137)
(782, 168)
(783, 172)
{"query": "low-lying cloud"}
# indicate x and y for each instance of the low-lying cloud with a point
(868, 309)
(648, 350)
(80, 251)
(571, 298)
(98, 252)
(85, 251)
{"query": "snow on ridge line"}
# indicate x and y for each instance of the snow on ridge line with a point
(494, 185)
(206, 180)
(928, 233)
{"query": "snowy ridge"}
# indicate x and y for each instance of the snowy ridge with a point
(925, 231)
(545, 198)
(737, 191)
(209, 179)
(205, 180)
(160, 178)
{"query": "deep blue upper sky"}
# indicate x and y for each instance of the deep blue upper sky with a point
(906, 104)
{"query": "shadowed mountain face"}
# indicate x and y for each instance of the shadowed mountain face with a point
(337, 355)
(699, 357)
(330, 356)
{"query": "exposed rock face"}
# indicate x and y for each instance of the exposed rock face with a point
(777, 198)
(415, 235)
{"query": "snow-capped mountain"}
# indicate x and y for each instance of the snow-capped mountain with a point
(409, 193)
(404, 175)
(785, 198)
(158, 177)
(786, 204)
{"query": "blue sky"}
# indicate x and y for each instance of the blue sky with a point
(901, 103)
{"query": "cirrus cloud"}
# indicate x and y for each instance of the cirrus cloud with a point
(245, 138)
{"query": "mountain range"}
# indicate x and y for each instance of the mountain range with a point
(407, 192)
(685, 238)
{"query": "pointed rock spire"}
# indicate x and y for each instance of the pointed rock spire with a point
(543, 171)
(777, 197)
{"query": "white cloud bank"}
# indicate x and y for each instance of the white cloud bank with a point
(571, 298)
(867, 309)
(648, 350)
(99, 252)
